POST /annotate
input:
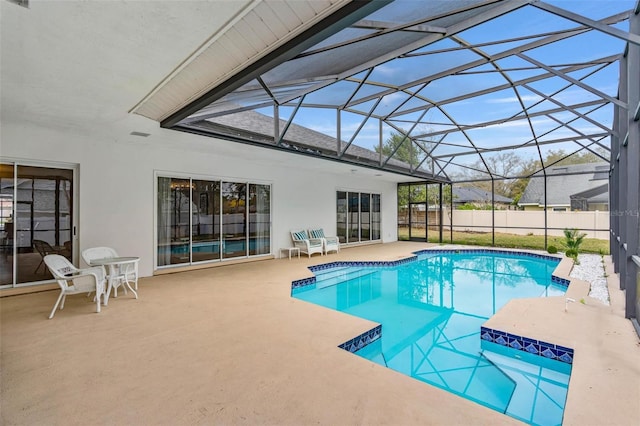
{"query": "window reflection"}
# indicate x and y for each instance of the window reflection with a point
(341, 212)
(259, 219)
(234, 221)
(204, 220)
(174, 197)
(37, 222)
(357, 216)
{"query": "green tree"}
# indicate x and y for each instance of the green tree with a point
(404, 149)
(506, 163)
(581, 157)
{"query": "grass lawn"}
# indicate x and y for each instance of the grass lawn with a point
(536, 242)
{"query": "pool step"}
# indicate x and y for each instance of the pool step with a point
(341, 276)
(331, 272)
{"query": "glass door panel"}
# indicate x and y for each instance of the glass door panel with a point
(403, 212)
(365, 217)
(433, 211)
(6, 224)
(174, 202)
(375, 217)
(43, 219)
(234, 220)
(354, 217)
(418, 226)
(205, 221)
(418, 212)
(341, 216)
(259, 219)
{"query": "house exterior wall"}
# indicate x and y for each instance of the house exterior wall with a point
(599, 207)
(117, 173)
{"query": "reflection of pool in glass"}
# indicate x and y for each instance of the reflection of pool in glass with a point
(431, 311)
(236, 247)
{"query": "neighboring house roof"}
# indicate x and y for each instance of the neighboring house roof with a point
(561, 184)
(472, 194)
(259, 127)
(599, 194)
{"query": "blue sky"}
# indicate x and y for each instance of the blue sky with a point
(494, 106)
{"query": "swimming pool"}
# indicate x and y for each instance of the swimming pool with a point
(431, 309)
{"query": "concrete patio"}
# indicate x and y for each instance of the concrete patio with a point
(228, 345)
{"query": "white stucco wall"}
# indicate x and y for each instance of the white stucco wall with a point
(115, 184)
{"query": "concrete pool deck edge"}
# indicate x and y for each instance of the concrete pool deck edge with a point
(603, 388)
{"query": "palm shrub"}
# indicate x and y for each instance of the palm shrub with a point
(572, 240)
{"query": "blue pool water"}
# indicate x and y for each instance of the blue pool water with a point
(431, 311)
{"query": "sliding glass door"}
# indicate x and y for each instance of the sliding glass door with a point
(234, 219)
(259, 219)
(205, 221)
(357, 217)
(201, 220)
(36, 219)
(173, 221)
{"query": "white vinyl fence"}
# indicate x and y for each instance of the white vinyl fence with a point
(594, 223)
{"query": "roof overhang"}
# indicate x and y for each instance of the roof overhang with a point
(260, 36)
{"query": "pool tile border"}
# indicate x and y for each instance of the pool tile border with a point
(560, 281)
(487, 251)
(303, 282)
(345, 263)
(525, 344)
(359, 342)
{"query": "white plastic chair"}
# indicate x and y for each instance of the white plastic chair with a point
(328, 243)
(124, 274)
(305, 244)
(73, 280)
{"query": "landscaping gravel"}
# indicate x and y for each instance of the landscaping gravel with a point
(591, 269)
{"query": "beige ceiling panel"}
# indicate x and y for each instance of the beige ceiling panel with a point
(258, 28)
(242, 29)
(286, 14)
(272, 20)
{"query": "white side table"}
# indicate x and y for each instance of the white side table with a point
(290, 250)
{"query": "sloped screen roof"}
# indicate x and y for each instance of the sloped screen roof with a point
(441, 90)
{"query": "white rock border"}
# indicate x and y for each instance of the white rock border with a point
(591, 270)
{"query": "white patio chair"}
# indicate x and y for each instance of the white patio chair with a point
(73, 280)
(328, 243)
(305, 244)
(123, 274)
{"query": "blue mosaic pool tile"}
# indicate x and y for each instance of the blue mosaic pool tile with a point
(486, 251)
(359, 342)
(565, 357)
(561, 281)
(563, 349)
(369, 263)
(501, 341)
(303, 282)
(485, 335)
(526, 344)
(516, 343)
(531, 348)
